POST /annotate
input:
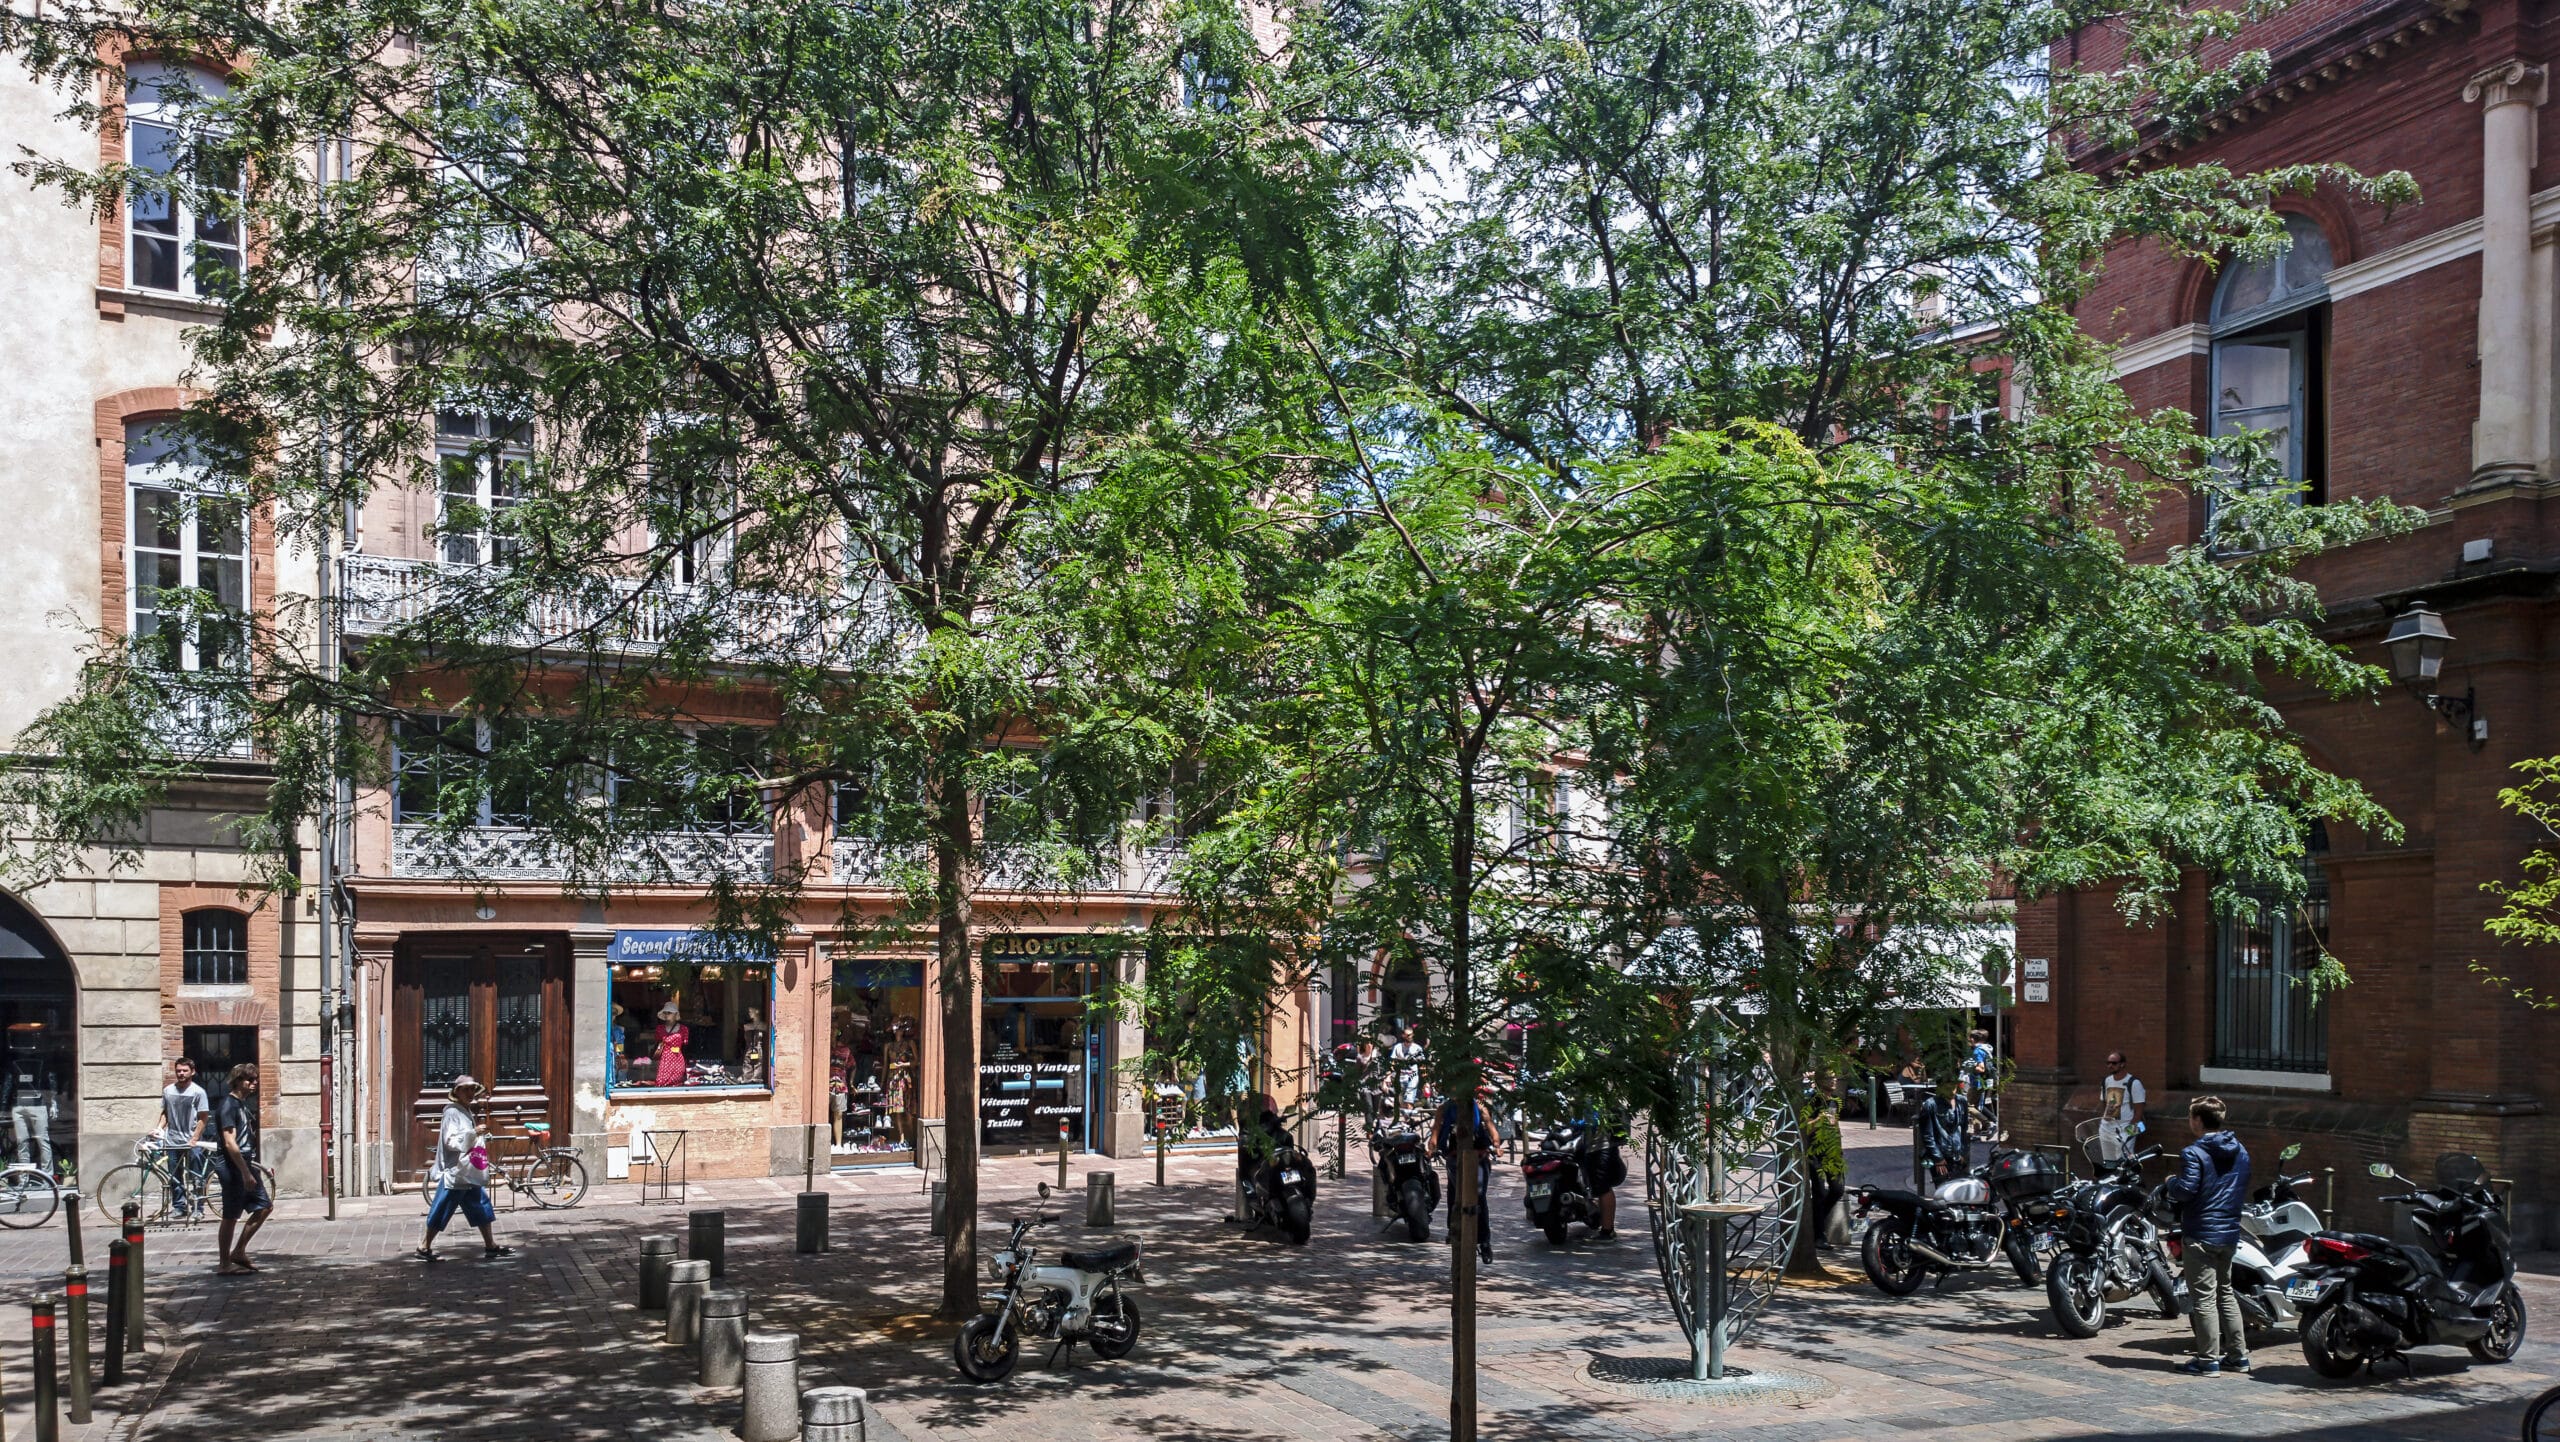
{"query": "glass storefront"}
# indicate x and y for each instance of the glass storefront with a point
(1040, 1062)
(680, 1021)
(874, 1029)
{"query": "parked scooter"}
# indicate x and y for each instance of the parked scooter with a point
(1966, 1225)
(2367, 1299)
(2111, 1250)
(1076, 1299)
(1566, 1175)
(1280, 1187)
(1403, 1166)
(2277, 1228)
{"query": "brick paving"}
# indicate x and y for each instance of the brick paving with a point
(346, 1339)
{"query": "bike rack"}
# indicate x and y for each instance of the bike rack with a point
(675, 1168)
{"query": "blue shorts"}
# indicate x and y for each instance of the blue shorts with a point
(473, 1202)
(242, 1195)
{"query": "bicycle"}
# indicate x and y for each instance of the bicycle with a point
(29, 1196)
(552, 1176)
(187, 1191)
(2542, 1420)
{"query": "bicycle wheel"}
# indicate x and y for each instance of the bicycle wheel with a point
(136, 1183)
(28, 1198)
(2542, 1422)
(556, 1179)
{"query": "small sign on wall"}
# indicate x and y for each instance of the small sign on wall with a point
(2039, 991)
(2038, 968)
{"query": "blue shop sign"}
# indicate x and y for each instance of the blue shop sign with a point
(681, 946)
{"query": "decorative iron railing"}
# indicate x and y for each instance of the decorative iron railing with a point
(506, 853)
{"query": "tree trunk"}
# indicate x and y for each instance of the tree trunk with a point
(955, 845)
(1464, 1226)
(1462, 1262)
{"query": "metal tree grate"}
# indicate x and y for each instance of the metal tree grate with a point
(1753, 1128)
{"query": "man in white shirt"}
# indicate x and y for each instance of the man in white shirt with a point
(184, 1110)
(1406, 1057)
(2120, 1103)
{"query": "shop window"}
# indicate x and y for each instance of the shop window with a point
(183, 226)
(872, 1086)
(189, 556)
(481, 466)
(216, 1050)
(2265, 1016)
(1040, 1056)
(2270, 320)
(677, 1024)
(216, 947)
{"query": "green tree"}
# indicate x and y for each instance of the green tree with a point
(886, 375)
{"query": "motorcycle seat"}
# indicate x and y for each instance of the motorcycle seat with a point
(1108, 1259)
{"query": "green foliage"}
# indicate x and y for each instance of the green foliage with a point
(2529, 909)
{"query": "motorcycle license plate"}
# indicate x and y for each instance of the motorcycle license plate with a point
(1542, 1189)
(1289, 1178)
(2304, 1291)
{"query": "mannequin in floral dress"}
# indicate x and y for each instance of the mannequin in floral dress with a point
(672, 1035)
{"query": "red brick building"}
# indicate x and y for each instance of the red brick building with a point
(2407, 354)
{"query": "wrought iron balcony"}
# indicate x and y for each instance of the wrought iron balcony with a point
(506, 853)
(1144, 872)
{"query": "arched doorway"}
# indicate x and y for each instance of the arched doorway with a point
(39, 1043)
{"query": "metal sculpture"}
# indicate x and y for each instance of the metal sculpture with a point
(1738, 1144)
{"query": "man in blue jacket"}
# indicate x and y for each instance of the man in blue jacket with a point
(2209, 1191)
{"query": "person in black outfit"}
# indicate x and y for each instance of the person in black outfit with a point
(244, 1185)
(1941, 1129)
(1478, 1114)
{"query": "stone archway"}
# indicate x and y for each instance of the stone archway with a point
(39, 1040)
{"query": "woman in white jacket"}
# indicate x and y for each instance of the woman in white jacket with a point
(461, 1181)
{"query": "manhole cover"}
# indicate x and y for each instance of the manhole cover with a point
(1669, 1377)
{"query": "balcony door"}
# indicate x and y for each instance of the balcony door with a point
(495, 1007)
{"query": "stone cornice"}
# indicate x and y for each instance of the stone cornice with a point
(2182, 343)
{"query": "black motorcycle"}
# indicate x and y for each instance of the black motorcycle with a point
(1566, 1175)
(2367, 1299)
(1403, 1167)
(1966, 1225)
(2111, 1250)
(1280, 1187)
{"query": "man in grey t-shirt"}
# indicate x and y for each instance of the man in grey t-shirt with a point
(184, 1110)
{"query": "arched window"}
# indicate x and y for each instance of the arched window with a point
(184, 230)
(217, 947)
(189, 565)
(2270, 320)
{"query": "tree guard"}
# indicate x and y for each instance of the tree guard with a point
(1748, 1150)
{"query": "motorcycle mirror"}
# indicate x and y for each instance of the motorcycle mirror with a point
(1044, 1189)
(2291, 1151)
(2380, 1169)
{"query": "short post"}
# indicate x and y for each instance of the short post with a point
(1377, 1194)
(687, 1282)
(941, 1193)
(1707, 1294)
(656, 1255)
(1919, 1166)
(724, 1337)
(809, 1161)
(1099, 1201)
(1062, 1156)
(810, 1233)
(707, 1238)
(134, 1293)
(48, 1387)
(1875, 1100)
(71, 1219)
(771, 1406)
(75, 1296)
(833, 1414)
(2328, 1196)
(1341, 1144)
(111, 1366)
(1163, 1140)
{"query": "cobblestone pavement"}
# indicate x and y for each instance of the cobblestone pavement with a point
(345, 1337)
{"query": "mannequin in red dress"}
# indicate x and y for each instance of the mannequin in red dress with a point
(672, 1035)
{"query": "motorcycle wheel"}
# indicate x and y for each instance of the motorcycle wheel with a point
(2022, 1256)
(1117, 1336)
(2506, 1329)
(980, 1359)
(1297, 1219)
(1558, 1234)
(1889, 1262)
(2319, 1347)
(2079, 1313)
(1415, 1207)
(2164, 1289)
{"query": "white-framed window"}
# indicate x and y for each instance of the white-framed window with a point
(692, 487)
(481, 464)
(2268, 320)
(188, 556)
(2266, 1017)
(185, 244)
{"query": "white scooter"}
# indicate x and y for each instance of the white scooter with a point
(1076, 1299)
(2278, 1223)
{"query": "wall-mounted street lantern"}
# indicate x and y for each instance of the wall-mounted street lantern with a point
(2417, 643)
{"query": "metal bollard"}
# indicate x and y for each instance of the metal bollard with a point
(134, 1292)
(941, 1191)
(687, 1281)
(112, 1367)
(1062, 1155)
(48, 1389)
(71, 1219)
(1377, 1194)
(1100, 1206)
(707, 1238)
(833, 1414)
(75, 1297)
(771, 1404)
(811, 1235)
(655, 1255)
(724, 1337)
